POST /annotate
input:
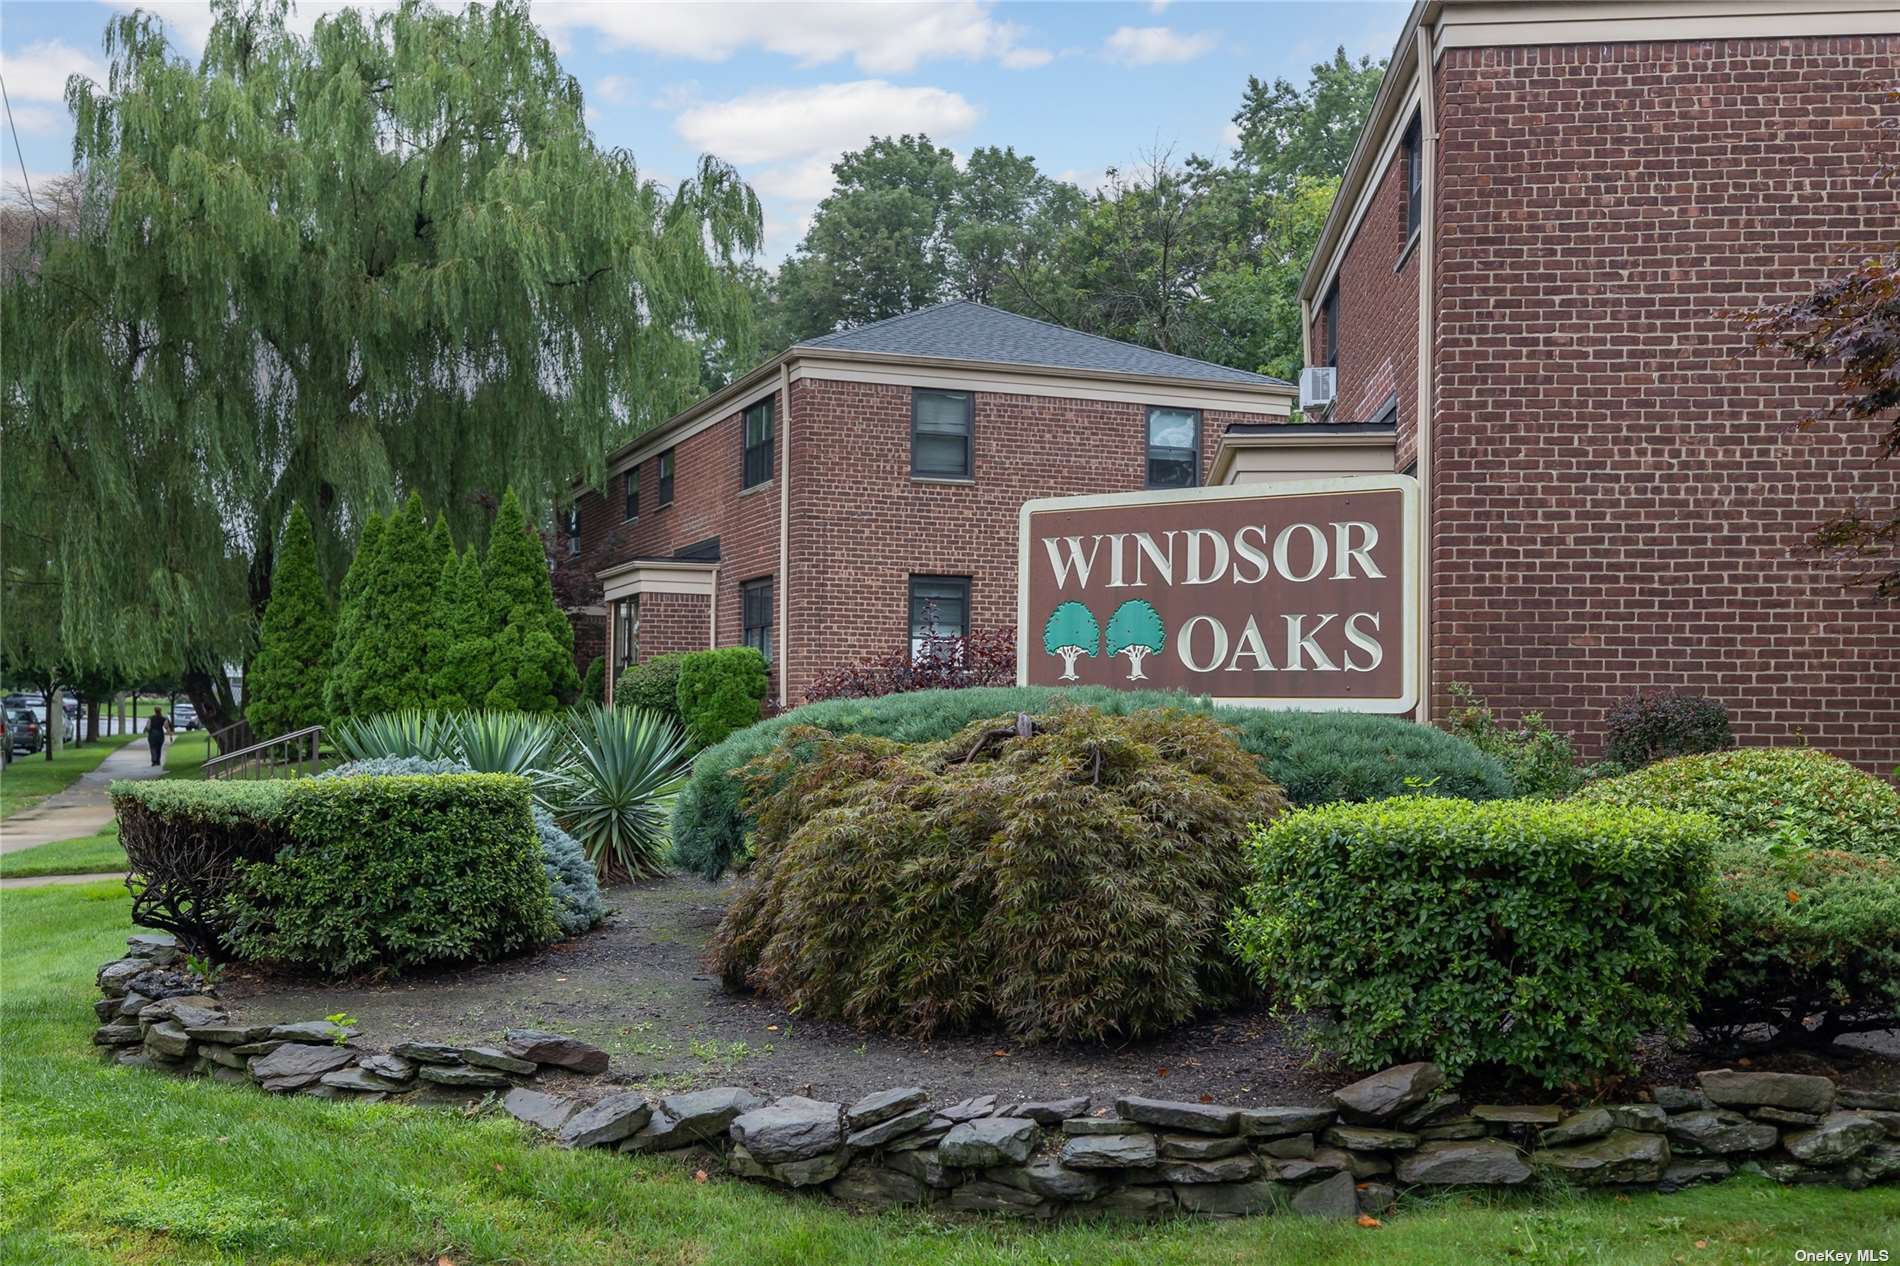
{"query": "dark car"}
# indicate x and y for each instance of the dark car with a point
(23, 731)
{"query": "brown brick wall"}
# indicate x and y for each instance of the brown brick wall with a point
(1623, 499)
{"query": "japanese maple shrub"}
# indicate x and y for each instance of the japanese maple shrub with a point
(1536, 938)
(1643, 729)
(1060, 876)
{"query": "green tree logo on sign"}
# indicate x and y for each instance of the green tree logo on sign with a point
(1135, 630)
(1071, 631)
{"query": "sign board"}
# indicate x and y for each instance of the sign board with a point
(1279, 595)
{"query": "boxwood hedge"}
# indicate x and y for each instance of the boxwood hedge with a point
(1315, 757)
(1539, 938)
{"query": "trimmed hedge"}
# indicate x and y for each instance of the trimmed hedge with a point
(1315, 757)
(397, 872)
(1543, 939)
(1771, 797)
(1070, 884)
(654, 685)
(183, 844)
(720, 691)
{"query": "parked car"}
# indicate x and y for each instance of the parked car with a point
(24, 732)
(185, 717)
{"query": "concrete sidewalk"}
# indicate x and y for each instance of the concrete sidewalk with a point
(82, 809)
(41, 881)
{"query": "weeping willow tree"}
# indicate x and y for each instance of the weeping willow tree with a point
(329, 271)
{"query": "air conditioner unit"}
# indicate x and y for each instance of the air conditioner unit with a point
(1318, 384)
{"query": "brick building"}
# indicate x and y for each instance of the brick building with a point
(1617, 495)
(911, 445)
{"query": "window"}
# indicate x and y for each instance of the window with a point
(940, 434)
(1414, 180)
(1330, 311)
(666, 478)
(755, 598)
(626, 634)
(633, 493)
(939, 608)
(573, 530)
(758, 444)
(1174, 448)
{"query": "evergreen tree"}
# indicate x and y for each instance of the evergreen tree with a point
(283, 691)
(388, 668)
(349, 615)
(533, 645)
(594, 685)
(461, 645)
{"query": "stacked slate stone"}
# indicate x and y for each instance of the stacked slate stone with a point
(1398, 1129)
(155, 1016)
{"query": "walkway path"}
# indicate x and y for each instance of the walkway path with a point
(82, 809)
(40, 881)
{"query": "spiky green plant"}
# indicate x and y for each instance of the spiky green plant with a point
(410, 732)
(614, 792)
(497, 742)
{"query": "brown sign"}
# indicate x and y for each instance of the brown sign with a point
(1297, 595)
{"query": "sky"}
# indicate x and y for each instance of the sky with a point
(780, 90)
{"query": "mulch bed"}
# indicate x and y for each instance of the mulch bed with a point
(637, 987)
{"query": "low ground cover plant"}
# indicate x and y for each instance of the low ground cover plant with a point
(1807, 887)
(1315, 757)
(720, 691)
(1065, 875)
(1543, 939)
(1647, 728)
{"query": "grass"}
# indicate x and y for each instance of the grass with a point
(189, 750)
(30, 779)
(100, 1164)
(90, 855)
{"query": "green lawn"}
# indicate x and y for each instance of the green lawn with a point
(91, 855)
(188, 751)
(102, 1164)
(30, 779)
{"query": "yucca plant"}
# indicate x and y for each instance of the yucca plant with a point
(407, 733)
(493, 741)
(614, 791)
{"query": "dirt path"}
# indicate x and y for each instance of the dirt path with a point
(82, 809)
(637, 987)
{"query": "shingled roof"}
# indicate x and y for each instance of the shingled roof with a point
(973, 331)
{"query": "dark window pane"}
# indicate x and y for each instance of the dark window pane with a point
(633, 493)
(939, 608)
(666, 477)
(756, 607)
(1170, 472)
(758, 444)
(1174, 445)
(940, 434)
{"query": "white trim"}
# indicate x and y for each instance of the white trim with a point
(1231, 445)
(1404, 485)
(995, 380)
(1422, 441)
(645, 576)
(781, 582)
(1509, 25)
(1369, 191)
(663, 439)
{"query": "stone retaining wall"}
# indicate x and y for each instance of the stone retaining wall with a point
(1397, 1129)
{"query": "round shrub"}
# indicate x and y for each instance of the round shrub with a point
(1539, 938)
(572, 883)
(653, 685)
(1068, 884)
(1647, 728)
(1807, 944)
(1315, 757)
(1771, 797)
(719, 692)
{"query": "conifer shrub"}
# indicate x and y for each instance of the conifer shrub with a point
(594, 683)
(720, 691)
(387, 668)
(350, 615)
(461, 650)
(653, 684)
(1059, 876)
(532, 643)
(1541, 939)
(393, 873)
(1315, 757)
(283, 691)
(1646, 728)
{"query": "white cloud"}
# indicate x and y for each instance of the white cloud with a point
(39, 71)
(614, 89)
(1149, 45)
(777, 124)
(37, 120)
(1158, 6)
(1230, 135)
(880, 38)
(1088, 180)
(14, 190)
(805, 181)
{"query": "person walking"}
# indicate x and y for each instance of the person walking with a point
(155, 731)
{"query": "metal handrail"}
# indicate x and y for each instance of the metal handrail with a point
(295, 751)
(221, 737)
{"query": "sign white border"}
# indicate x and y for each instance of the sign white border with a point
(1404, 485)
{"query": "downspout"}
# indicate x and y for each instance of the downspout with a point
(1422, 429)
(784, 527)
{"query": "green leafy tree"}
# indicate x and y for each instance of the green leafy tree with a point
(311, 268)
(533, 643)
(1002, 226)
(1289, 133)
(349, 615)
(283, 691)
(461, 646)
(1135, 632)
(388, 668)
(1071, 632)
